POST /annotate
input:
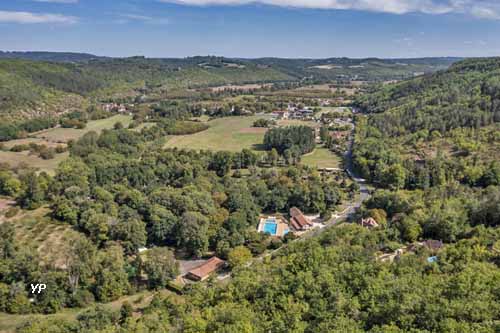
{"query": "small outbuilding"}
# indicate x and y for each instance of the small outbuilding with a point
(298, 221)
(202, 272)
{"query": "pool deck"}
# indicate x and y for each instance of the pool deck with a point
(282, 227)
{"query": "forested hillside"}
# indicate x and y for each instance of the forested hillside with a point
(49, 56)
(466, 95)
(331, 284)
(426, 131)
(42, 83)
(434, 144)
(30, 89)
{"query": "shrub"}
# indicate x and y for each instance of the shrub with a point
(11, 212)
(60, 149)
(47, 154)
(19, 148)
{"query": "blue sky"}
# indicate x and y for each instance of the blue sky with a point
(244, 28)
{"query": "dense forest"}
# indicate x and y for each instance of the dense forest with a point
(427, 131)
(121, 191)
(329, 284)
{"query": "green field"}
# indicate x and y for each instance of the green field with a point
(322, 158)
(65, 134)
(229, 134)
(14, 159)
(51, 138)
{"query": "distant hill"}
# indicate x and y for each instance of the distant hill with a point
(433, 129)
(465, 95)
(33, 88)
(38, 83)
(49, 56)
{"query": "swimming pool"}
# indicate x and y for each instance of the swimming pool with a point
(270, 228)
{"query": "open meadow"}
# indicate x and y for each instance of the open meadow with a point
(55, 137)
(229, 134)
(322, 158)
(14, 159)
(65, 134)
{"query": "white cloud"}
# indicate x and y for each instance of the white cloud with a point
(33, 18)
(126, 18)
(137, 17)
(489, 9)
(485, 12)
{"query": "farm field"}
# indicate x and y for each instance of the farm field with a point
(14, 159)
(35, 228)
(240, 87)
(54, 137)
(322, 158)
(229, 134)
(65, 134)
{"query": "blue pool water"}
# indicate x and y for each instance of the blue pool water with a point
(271, 228)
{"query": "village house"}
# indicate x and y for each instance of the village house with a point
(110, 107)
(302, 114)
(298, 221)
(281, 114)
(203, 272)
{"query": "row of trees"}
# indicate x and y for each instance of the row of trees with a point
(282, 139)
(11, 131)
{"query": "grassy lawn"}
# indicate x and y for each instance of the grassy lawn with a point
(229, 134)
(322, 158)
(27, 141)
(9, 322)
(66, 134)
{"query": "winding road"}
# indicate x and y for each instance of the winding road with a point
(352, 206)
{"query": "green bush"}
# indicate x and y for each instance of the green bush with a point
(11, 212)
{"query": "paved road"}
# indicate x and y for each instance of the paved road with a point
(353, 206)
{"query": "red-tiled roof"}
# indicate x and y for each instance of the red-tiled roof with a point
(210, 266)
(298, 220)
